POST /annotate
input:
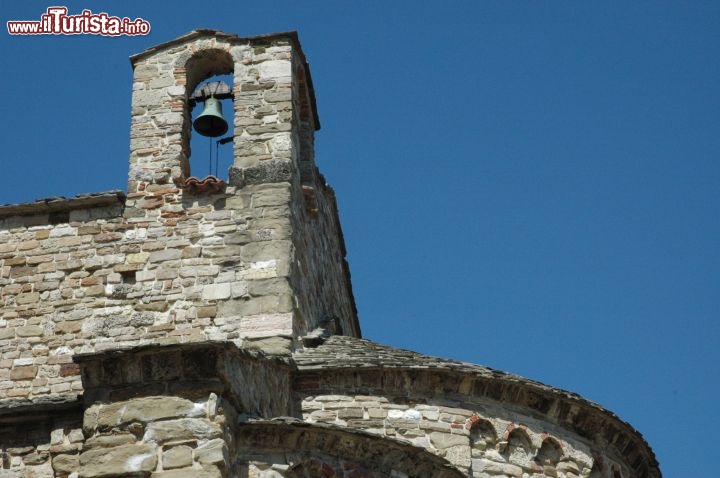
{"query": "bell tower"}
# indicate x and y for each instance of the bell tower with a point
(270, 227)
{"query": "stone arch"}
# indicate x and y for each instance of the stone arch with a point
(550, 453)
(206, 63)
(348, 453)
(518, 449)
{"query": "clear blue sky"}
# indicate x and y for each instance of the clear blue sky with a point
(532, 186)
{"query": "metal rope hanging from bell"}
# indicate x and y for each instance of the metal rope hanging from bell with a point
(211, 121)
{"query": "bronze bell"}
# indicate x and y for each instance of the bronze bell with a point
(211, 122)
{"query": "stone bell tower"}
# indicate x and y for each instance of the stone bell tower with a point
(263, 245)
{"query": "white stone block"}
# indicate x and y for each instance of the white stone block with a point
(412, 414)
(216, 291)
(63, 231)
(274, 69)
(281, 142)
(266, 325)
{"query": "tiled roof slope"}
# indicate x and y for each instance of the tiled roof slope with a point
(60, 203)
(340, 351)
(349, 352)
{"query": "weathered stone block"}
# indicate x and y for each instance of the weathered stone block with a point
(15, 261)
(177, 457)
(7, 333)
(273, 286)
(481, 465)
(138, 258)
(270, 345)
(36, 457)
(238, 238)
(135, 459)
(199, 271)
(266, 171)
(29, 331)
(273, 69)
(106, 441)
(181, 429)
(27, 372)
(203, 472)
(207, 311)
(445, 440)
(275, 96)
(65, 464)
(257, 306)
(214, 452)
(324, 415)
(43, 470)
(216, 291)
(159, 306)
(164, 255)
(266, 250)
(145, 410)
(143, 276)
(164, 273)
(28, 298)
(346, 413)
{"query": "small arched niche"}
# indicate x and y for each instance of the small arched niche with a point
(519, 448)
(549, 454)
(482, 437)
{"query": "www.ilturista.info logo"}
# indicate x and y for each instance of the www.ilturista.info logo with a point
(57, 22)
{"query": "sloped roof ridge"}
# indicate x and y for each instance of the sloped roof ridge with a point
(61, 203)
(340, 351)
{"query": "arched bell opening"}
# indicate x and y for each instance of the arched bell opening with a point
(212, 127)
(209, 119)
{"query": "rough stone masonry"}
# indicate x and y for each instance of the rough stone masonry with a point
(206, 327)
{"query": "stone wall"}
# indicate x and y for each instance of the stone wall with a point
(43, 444)
(167, 436)
(106, 283)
